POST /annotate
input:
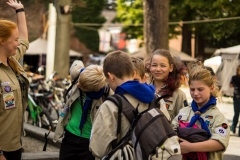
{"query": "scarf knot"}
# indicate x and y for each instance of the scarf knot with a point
(198, 111)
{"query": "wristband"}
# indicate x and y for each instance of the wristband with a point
(20, 10)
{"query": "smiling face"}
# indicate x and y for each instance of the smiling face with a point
(200, 92)
(10, 44)
(160, 67)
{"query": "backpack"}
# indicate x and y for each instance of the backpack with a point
(150, 136)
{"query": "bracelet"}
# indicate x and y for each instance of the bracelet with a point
(20, 10)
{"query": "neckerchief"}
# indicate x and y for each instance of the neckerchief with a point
(198, 112)
(90, 96)
(142, 91)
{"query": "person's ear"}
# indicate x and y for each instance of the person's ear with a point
(171, 68)
(111, 77)
(1, 41)
(144, 79)
(211, 88)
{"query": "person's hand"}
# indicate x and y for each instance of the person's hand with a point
(2, 157)
(185, 146)
(14, 4)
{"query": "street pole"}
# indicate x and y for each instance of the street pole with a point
(62, 44)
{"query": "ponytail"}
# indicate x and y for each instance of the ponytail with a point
(13, 65)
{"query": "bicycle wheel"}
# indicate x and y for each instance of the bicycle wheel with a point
(48, 105)
(46, 121)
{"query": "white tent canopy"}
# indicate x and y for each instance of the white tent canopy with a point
(183, 56)
(39, 46)
(230, 60)
(229, 50)
(213, 62)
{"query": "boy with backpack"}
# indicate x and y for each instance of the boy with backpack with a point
(106, 133)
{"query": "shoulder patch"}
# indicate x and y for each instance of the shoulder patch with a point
(221, 131)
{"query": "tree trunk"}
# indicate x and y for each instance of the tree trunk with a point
(199, 47)
(186, 38)
(62, 44)
(155, 24)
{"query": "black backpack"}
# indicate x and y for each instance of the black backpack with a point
(150, 135)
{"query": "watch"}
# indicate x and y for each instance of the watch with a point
(1, 152)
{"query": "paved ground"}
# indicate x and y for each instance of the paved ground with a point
(32, 145)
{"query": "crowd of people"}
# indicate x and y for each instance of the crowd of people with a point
(88, 121)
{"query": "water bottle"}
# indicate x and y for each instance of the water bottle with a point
(64, 111)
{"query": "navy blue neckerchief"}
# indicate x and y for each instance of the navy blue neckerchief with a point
(90, 96)
(142, 91)
(203, 109)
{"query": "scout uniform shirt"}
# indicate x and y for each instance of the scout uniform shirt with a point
(13, 101)
(217, 125)
(175, 102)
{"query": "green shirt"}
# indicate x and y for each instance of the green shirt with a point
(74, 123)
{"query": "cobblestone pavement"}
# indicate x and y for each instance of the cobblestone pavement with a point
(32, 145)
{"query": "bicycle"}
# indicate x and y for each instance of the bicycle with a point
(39, 115)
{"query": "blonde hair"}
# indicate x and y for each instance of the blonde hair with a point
(92, 78)
(197, 72)
(6, 28)
(138, 66)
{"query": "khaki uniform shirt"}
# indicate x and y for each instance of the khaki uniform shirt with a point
(104, 129)
(217, 124)
(12, 102)
(174, 103)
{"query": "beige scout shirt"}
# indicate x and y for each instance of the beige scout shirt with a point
(218, 126)
(72, 96)
(104, 128)
(174, 103)
(12, 102)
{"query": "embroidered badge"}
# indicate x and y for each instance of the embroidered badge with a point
(153, 112)
(209, 117)
(5, 83)
(224, 125)
(7, 88)
(8, 99)
(207, 123)
(221, 131)
(179, 117)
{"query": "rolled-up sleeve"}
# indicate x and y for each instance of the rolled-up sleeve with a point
(221, 130)
(22, 48)
(104, 129)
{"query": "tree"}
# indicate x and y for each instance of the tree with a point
(89, 14)
(155, 24)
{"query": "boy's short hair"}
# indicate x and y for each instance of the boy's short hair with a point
(92, 78)
(118, 63)
(138, 66)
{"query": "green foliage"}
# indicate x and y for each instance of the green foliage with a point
(89, 14)
(130, 12)
(216, 34)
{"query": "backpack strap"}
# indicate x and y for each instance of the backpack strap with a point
(69, 88)
(106, 93)
(155, 101)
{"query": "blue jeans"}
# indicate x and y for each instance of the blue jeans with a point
(236, 105)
